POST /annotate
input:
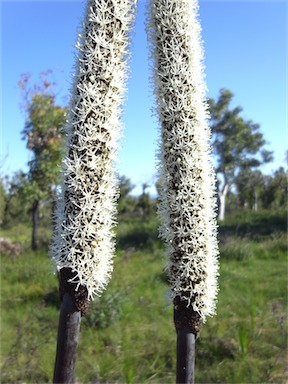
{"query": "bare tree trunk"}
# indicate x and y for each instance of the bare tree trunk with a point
(222, 198)
(35, 224)
(255, 207)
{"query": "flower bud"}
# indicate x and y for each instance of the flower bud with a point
(85, 216)
(188, 195)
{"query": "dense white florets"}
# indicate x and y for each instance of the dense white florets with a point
(85, 216)
(187, 199)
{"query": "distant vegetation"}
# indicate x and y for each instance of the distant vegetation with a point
(128, 335)
(238, 146)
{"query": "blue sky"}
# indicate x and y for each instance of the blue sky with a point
(245, 51)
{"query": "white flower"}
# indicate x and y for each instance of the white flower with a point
(85, 216)
(187, 199)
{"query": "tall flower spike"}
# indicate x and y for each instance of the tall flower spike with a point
(187, 199)
(83, 241)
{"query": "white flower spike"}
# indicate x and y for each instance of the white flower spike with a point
(83, 241)
(187, 199)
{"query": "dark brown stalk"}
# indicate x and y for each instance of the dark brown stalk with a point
(67, 343)
(185, 356)
(187, 324)
(73, 305)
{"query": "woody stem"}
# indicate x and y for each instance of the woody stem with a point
(187, 323)
(67, 342)
(185, 356)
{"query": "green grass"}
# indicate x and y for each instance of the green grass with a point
(134, 342)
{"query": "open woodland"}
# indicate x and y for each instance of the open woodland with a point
(128, 334)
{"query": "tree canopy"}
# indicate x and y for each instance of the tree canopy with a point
(238, 143)
(43, 133)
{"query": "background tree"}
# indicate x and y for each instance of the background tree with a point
(274, 193)
(2, 201)
(43, 135)
(2, 190)
(144, 204)
(238, 144)
(249, 184)
(15, 197)
(126, 202)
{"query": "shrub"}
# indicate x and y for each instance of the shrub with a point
(104, 311)
(9, 248)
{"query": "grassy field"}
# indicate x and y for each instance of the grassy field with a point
(128, 335)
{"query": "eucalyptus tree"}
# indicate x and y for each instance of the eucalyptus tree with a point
(250, 186)
(126, 202)
(43, 133)
(187, 179)
(16, 201)
(275, 191)
(3, 199)
(238, 144)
